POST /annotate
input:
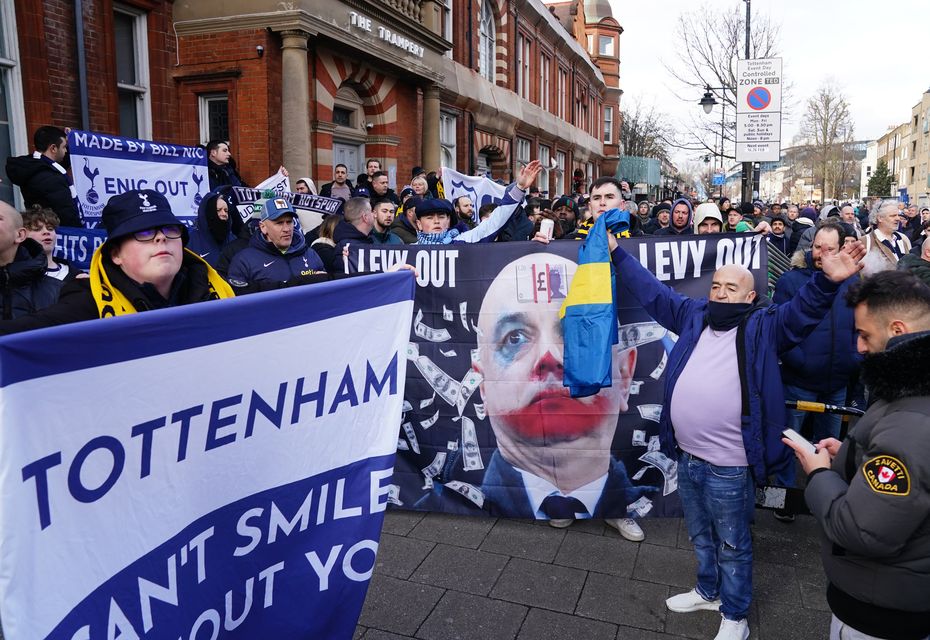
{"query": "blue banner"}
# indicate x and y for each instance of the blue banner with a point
(77, 246)
(223, 472)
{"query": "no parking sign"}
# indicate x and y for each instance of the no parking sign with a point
(758, 110)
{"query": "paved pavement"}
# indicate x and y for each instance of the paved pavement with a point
(442, 577)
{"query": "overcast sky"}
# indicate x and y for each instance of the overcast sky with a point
(874, 51)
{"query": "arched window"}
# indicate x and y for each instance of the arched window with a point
(486, 40)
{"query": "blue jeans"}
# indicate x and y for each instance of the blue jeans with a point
(826, 425)
(719, 503)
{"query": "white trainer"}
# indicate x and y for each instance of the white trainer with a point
(732, 630)
(561, 523)
(628, 528)
(691, 601)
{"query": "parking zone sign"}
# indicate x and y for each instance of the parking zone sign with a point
(758, 110)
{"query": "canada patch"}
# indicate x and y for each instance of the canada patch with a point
(886, 474)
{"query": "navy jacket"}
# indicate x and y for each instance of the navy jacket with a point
(24, 287)
(827, 358)
(345, 233)
(42, 184)
(262, 262)
(211, 234)
(766, 333)
(505, 494)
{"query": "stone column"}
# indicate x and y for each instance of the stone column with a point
(431, 155)
(295, 103)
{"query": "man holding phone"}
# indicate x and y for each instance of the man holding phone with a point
(870, 493)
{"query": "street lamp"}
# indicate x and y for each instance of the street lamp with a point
(707, 103)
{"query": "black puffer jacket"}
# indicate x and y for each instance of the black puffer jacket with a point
(42, 184)
(23, 284)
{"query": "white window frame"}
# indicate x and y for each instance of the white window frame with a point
(560, 159)
(11, 73)
(545, 156)
(142, 88)
(608, 125)
(487, 42)
(447, 142)
(522, 154)
(203, 103)
(591, 43)
(523, 66)
(447, 24)
(545, 72)
(601, 39)
(562, 90)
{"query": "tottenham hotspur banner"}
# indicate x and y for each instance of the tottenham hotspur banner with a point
(214, 470)
(488, 427)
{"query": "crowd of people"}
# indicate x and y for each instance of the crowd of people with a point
(848, 324)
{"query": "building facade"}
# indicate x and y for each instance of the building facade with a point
(481, 86)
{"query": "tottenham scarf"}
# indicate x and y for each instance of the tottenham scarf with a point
(112, 302)
(589, 312)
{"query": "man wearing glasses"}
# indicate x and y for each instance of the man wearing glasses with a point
(143, 265)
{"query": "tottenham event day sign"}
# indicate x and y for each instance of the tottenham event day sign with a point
(487, 426)
(758, 110)
(219, 469)
(104, 166)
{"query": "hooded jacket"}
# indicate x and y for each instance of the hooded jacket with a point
(23, 284)
(262, 265)
(873, 504)
(345, 233)
(42, 184)
(827, 359)
(402, 229)
(764, 334)
(211, 235)
(670, 230)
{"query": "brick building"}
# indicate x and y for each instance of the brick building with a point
(478, 85)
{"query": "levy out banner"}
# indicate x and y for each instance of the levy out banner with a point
(213, 470)
(310, 209)
(480, 190)
(104, 166)
(488, 427)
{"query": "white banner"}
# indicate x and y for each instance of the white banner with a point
(219, 468)
(279, 183)
(480, 190)
(104, 166)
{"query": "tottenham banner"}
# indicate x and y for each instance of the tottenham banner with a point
(77, 245)
(480, 190)
(310, 209)
(214, 470)
(105, 165)
(488, 427)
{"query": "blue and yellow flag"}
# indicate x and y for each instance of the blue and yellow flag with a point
(589, 313)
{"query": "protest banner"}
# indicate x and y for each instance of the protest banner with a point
(487, 420)
(77, 245)
(279, 183)
(213, 469)
(481, 190)
(104, 166)
(310, 209)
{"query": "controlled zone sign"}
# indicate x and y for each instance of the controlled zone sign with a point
(758, 110)
(214, 470)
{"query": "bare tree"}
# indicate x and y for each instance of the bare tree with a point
(827, 127)
(708, 42)
(643, 131)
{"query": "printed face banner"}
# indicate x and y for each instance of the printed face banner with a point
(488, 427)
(219, 469)
(104, 166)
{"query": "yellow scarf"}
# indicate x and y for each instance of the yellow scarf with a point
(111, 301)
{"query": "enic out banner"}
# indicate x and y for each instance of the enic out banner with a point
(104, 166)
(488, 426)
(214, 470)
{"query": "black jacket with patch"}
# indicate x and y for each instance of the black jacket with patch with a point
(873, 506)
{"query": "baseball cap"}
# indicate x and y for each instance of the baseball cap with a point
(274, 208)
